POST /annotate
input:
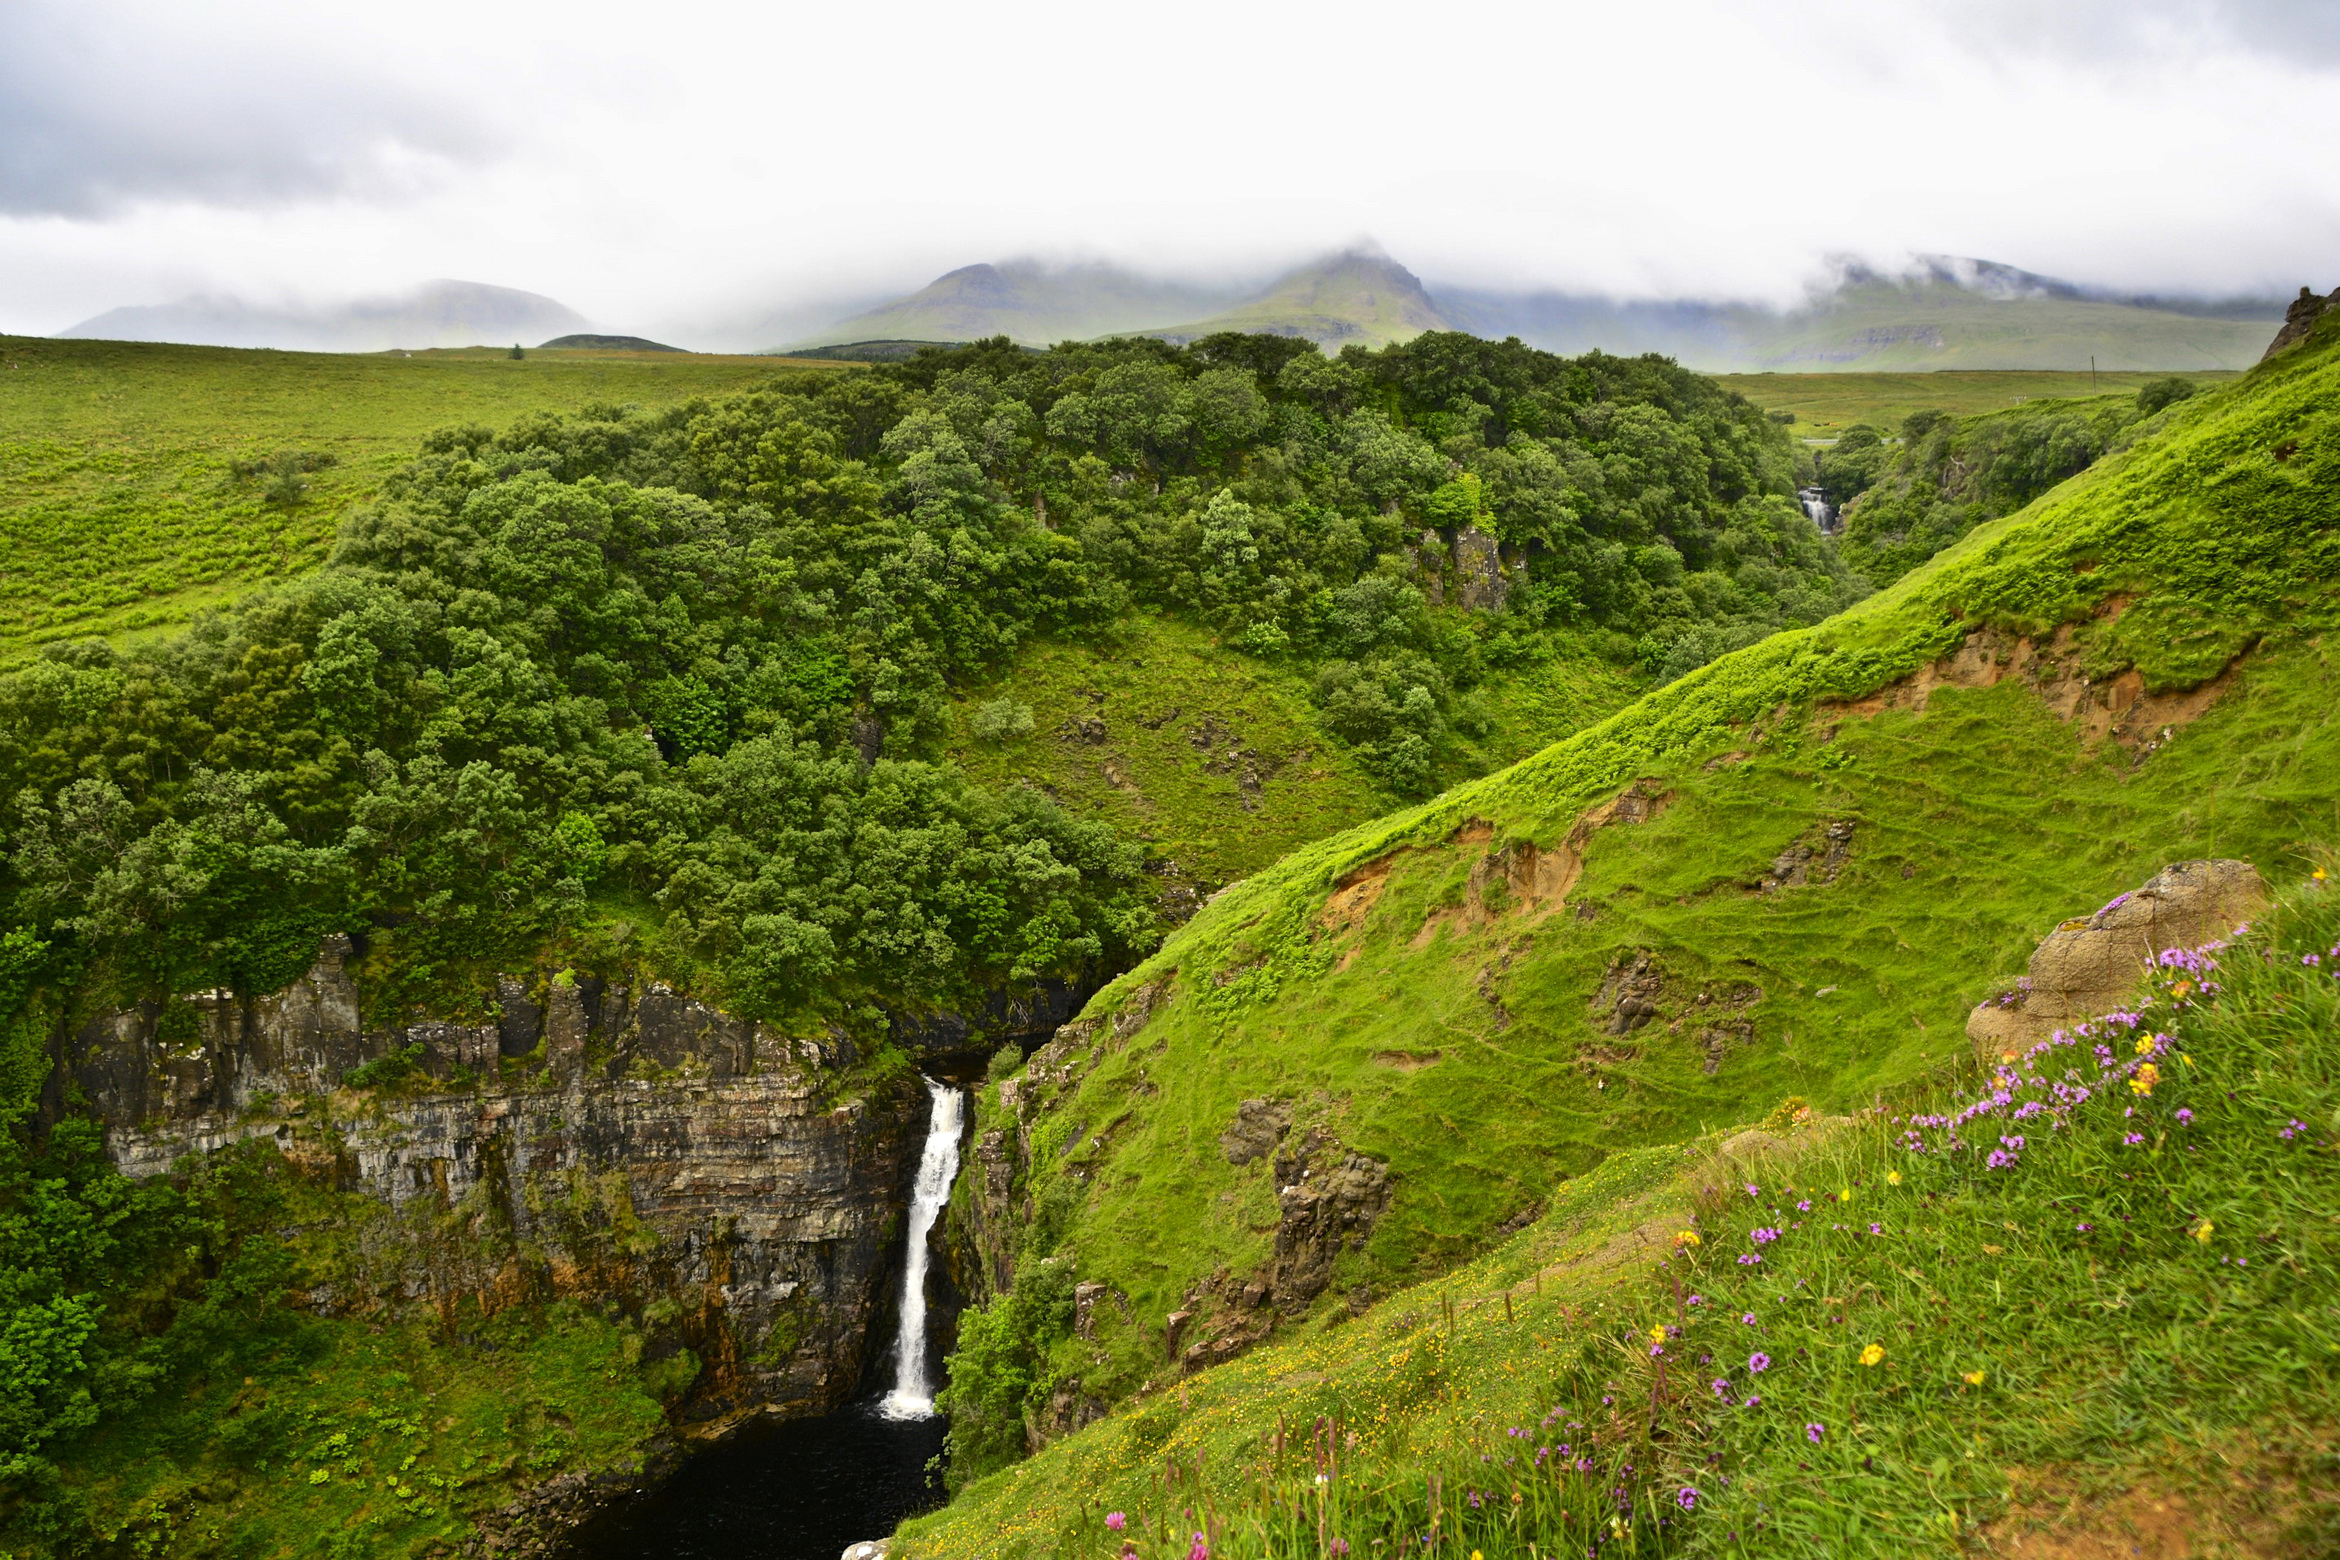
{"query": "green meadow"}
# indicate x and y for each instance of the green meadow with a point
(1827, 404)
(141, 482)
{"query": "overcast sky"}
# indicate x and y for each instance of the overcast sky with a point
(671, 168)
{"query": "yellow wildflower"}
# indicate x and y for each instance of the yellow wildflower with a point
(1686, 1238)
(1974, 1378)
(1892, 1178)
(2144, 1045)
(2202, 1233)
(1844, 1196)
(2147, 1076)
(1872, 1354)
(1657, 1334)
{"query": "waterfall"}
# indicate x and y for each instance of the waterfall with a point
(938, 1164)
(1817, 507)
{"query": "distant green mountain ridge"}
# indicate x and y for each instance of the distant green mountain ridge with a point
(1936, 312)
(1035, 304)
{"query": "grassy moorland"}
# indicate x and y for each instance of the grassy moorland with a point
(141, 482)
(2134, 669)
(1827, 404)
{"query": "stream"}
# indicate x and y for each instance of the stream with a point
(804, 1489)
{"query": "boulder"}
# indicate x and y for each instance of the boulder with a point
(2093, 964)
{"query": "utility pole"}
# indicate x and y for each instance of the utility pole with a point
(2091, 372)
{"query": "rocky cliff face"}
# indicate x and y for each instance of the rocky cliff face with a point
(733, 1187)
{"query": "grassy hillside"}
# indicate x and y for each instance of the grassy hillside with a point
(1789, 873)
(2116, 1338)
(131, 493)
(1216, 759)
(1827, 404)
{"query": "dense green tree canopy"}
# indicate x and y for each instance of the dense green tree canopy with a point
(701, 657)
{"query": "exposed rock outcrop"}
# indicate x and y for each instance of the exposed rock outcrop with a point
(1480, 585)
(730, 1187)
(2119, 707)
(2299, 321)
(1328, 1199)
(2093, 964)
(1258, 1127)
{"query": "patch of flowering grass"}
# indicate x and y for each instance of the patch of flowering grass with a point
(2117, 1247)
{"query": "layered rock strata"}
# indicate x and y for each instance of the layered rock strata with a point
(737, 1187)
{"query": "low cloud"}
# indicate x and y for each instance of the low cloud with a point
(714, 170)
(2109, 32)
(104, 107)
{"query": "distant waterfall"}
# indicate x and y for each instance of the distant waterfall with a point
(1817, 507)
(913, 1394)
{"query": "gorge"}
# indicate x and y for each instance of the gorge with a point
(749, 1201)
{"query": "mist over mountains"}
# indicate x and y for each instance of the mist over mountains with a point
(436, 314)
(1936, 312)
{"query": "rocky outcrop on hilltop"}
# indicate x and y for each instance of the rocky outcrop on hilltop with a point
(2299, 321)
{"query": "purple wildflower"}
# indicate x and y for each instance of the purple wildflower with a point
(1813, 1433)
(1748, 1318)
(1722, 1389)
(1686, 1498)
(2185, 1118)
(1115, 1521)
(1759, 1361)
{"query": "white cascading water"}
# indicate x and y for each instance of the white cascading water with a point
(938, 1165)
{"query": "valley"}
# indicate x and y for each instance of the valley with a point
(1386, 844)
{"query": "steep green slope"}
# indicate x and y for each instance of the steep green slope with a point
(1791, 872)
(1216, 759)
(142, 483)
(1902, 500)
(2104, 1313)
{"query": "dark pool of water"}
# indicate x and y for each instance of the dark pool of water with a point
(798, 1490)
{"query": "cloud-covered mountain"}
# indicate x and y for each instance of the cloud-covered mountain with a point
(1935, 311)
(436, 314)
(1035, 303)
(1360, 296)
